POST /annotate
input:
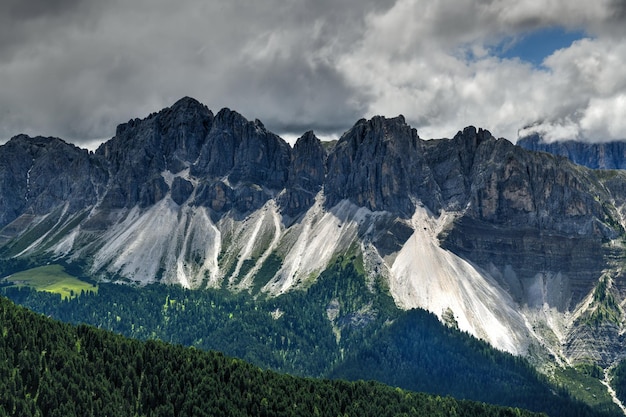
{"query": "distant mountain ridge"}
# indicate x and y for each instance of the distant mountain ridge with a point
(515, 244)
(605, 155)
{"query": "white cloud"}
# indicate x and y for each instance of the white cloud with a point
(564, 129)
(412, 61)
(605, 117)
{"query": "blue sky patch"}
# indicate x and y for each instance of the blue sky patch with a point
(535, 46)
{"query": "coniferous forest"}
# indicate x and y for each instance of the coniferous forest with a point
(48, 368)
(335, 329)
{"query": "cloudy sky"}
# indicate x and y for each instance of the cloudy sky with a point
(77, 68)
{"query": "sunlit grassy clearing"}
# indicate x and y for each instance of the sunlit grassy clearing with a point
(51, 278)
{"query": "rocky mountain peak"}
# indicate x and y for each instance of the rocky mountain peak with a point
(307, 173)
(475, 135)
(176, 132)
(306, 140)
(188, 104)
(141, 150)
(467, 142)
(244, 151)
(20, 137)
(378, 164)
(37, 144)
(230, 119)
(380, 128)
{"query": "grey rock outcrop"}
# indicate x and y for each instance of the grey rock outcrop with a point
(507, 185)
(216, 195)
(152, 190)
(250, 163)
(380, 164)
(221, 151)
(307, 172)
(39, 174)
(142, 149)
(181, 190)
(244, 151)
(516, 201)
(453, 163)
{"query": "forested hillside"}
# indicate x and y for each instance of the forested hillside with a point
(337, 328)
(52, 369)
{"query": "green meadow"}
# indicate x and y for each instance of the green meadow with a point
(51, 278)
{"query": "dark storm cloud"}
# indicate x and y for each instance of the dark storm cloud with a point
(617, 10)
(315, 95)
(76, 69)
(287, 73)
(24, 20)
(28, 9)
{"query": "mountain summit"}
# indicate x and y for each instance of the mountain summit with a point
(515, 245)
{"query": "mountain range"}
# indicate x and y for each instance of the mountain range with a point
(520, 248)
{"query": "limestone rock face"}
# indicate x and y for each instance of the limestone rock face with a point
(142, 149)
(217, 196)
(39, 174)
(254, 161)
(380, 164)
(221, 149)
(181, 190)
(453, 162)
(507, 185)
(244, 151)
(520, 202)
(151, 191)
(307, 172)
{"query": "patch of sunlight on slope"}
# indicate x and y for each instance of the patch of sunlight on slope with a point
(427, 276)
(312, 243)
(180, 244)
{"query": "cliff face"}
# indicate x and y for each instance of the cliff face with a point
(39, 175)
(508, 240)
(307, 172)
(380, 164)
(518, 202)
(142, 149)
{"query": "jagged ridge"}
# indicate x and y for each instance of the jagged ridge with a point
(511, 241)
